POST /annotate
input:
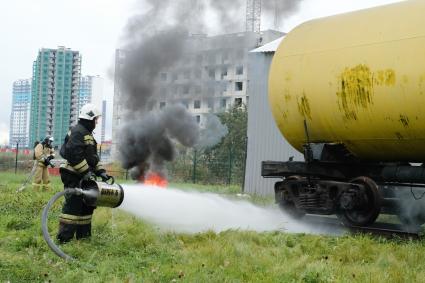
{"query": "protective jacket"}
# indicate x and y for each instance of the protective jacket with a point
(80, 151)
(41, 153)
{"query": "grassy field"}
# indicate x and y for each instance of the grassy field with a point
(125, 249)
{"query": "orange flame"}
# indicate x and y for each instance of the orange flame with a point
(155, 179)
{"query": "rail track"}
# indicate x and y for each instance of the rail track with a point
(386, 230)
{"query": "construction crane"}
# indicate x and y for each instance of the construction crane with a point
(253, 15)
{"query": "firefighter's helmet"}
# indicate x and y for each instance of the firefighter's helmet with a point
(49, 140)
(89, 112)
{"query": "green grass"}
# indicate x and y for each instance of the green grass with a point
(126, 249)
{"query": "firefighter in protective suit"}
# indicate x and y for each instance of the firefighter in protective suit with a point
(82, 164)
(43, 154)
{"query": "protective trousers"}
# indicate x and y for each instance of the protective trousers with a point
(41, 178)
(76, 215)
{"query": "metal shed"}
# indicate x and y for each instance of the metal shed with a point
(265, 141)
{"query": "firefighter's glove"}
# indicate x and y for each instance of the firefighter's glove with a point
(89, 176)
(48, 162)
(105, 177)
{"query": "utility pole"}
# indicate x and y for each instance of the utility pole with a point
(276, 16)
(253, 15)
(16, 157)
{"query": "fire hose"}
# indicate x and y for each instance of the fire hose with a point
(94, 194)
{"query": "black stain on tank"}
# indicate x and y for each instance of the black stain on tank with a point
(304, 106)
(404, 120)
(356, 90)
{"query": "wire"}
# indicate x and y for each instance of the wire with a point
(414, 196)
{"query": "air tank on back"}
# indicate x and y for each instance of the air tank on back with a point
(357, 79)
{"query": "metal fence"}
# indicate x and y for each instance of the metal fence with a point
(197, 167)
(16, 161)
(189, 166)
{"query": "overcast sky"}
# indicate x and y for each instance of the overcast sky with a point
(94, 28)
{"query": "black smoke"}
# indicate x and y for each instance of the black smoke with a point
(156, 41)
(147, 142)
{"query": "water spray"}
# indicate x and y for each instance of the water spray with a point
(94, 194)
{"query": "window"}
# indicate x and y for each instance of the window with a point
(198, 119)
(223, 103)
(225, 56)
(238, 86)
(162, 105)
(197, 104)
(210, 103)
(151, 105)
(238, 102)
(223, 72)
(185, 89)
(239, 70)
(211, 74)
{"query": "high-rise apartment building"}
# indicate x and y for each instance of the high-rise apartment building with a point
(54, 95)
(91, 91)
(103, 122)
(20, 116)
(85, 94)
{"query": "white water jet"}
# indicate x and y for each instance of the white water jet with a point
(192, 212)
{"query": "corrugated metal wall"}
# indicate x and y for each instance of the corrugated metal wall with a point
(264, 139)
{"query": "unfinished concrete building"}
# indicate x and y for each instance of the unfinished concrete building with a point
(210, 77)
(213, 75)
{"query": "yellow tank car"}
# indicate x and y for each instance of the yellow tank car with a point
(357, 79)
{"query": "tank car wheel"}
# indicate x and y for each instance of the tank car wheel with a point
(370, 211)
(288, 207)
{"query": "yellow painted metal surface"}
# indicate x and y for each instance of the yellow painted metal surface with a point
(356, 78)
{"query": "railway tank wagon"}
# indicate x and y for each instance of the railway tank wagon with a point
(349, 92)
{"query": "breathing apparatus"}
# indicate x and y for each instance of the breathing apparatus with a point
(94, 194)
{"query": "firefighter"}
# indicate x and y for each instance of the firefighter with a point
(82, 164)
(43, 154)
